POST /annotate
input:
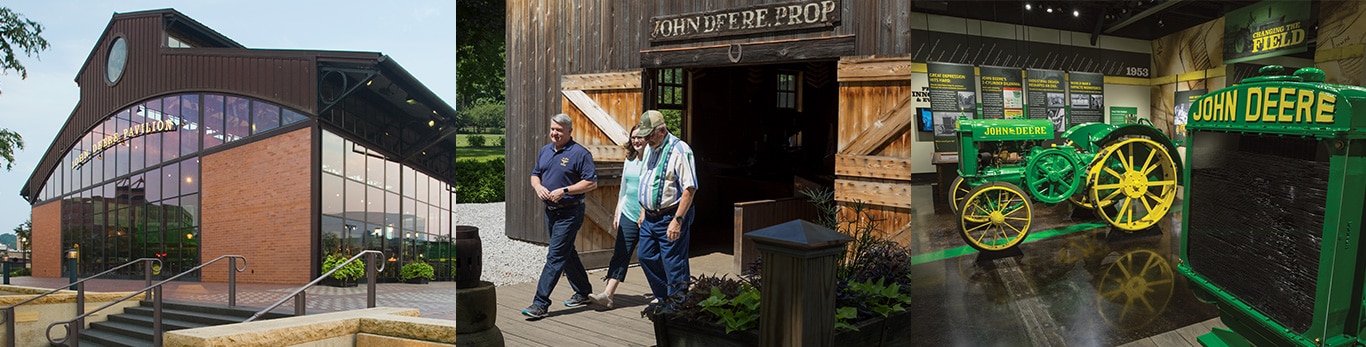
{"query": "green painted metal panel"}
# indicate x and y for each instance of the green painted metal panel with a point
(1274, 200)
(1007, 129)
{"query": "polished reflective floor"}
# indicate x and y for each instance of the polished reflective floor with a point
(1074, 282)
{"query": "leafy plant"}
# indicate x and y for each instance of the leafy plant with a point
(417, 270)
(476, 140)
(480, 181)
(703, 288)
(351, 271)
(842, 317)
(736, 313)
(882, 298)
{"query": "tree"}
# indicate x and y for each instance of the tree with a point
(25, 233)
(480, 51)
(16, 30)
(10, 142)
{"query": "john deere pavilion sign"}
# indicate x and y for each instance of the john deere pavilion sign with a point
(1266, 29)
(785, 16)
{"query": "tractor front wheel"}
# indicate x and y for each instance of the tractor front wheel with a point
(995, 217)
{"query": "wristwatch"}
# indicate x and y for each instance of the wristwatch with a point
(566, 190)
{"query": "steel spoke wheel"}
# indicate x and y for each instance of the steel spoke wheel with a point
(958, 192)
(1135, 289)
(995, 217)
(1053, 174)
(1135, 183)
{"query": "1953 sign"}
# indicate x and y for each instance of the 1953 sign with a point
(747, 20)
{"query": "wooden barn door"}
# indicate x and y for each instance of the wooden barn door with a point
(603, 106)
(873, 164)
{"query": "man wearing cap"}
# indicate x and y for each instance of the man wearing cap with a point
(564, 172)
(668, 181)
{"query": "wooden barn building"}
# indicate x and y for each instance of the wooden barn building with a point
(187, 146)
(771, 95)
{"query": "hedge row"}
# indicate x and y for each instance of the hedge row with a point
(480, 181)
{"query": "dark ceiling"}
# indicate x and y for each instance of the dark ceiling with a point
(1136, 19)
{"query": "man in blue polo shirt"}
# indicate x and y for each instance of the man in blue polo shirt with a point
(564, 172)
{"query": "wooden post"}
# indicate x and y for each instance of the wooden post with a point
(797, 302)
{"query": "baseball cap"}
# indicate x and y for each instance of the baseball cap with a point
(648, 122)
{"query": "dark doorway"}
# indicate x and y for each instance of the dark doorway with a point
(757, 131)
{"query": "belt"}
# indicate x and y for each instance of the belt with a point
(661, 212)
(556, 207)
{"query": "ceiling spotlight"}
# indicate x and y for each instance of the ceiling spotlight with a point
(1028, 7)
(1160, 23)
(1076, 13)
(1050, 10)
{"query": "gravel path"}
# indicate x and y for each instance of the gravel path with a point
(506, 261)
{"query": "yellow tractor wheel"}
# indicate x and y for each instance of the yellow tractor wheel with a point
(995, 217)
(1134, 183)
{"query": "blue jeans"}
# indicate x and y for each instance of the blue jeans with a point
(627, 233)
(563, 225)
(665, 263)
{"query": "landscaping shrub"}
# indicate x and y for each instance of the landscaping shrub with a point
(352, 271)
(480, 181)
(476, 140)
(873, 278)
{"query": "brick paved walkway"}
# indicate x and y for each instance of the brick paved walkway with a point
(433, 300)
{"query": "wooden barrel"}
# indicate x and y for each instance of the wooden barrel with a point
(469, 256)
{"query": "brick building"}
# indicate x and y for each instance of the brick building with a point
(186, 146)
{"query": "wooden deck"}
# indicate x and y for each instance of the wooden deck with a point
(590, 325)
(623, 326)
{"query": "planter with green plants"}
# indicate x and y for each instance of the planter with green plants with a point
(346, 276)
(872, 293)
(417, 272)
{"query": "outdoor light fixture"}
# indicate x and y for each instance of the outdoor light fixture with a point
(412, 102)
(431, 123)
(1076, 13)
(1028, 7)
(73, 253)
(1050, 10)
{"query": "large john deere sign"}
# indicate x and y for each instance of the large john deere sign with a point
(1266, 29)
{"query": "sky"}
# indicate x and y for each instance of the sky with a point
(419, 35)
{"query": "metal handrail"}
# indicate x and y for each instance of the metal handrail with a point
(74, 325)
(8, 316)
(300, 298)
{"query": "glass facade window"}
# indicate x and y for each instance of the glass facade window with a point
(131, 185)
(371, 202)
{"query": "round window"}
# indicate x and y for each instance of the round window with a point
(118, 58)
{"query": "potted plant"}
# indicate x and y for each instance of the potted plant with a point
(417, 272)
(347, 275)
(871, 299)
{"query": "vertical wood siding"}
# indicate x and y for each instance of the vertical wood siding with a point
(863, 101)
(755, 215)
(548, 39)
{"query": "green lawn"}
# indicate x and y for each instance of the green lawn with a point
(490, 151)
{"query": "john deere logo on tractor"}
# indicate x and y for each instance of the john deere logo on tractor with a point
(1268, 105)
(1016, 130)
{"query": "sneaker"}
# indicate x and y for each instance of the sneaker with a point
(579, 299)
(601, 299)
(534, 312)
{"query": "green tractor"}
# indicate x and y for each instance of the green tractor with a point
(1125, 173)
(1271, 232)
